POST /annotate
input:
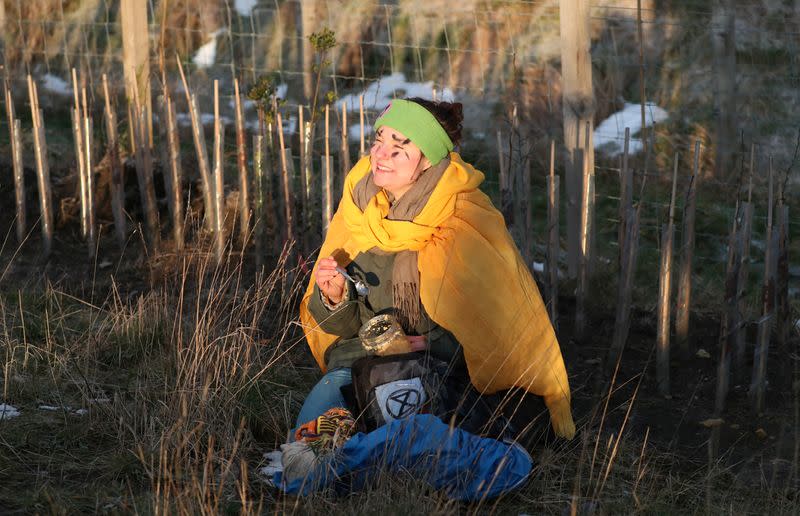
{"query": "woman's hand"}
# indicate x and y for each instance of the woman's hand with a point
(329, 281)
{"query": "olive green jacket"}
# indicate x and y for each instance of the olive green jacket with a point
(345, 319)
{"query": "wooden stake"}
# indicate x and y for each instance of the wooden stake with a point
(363, 151)
(344, 151)
(241, 155)
(744, 265)
(117, 178)
(683, 307)
(202, 152)
(15, 136)
(174, 172)
(782, 309)
(586, 228)
(77, 130)
(665, 292)
(144, 174)
(625, 194)
(219, 132)
(553, 247)
(729, 320)
(625, 287)
(758, 383)
(285, 180)
(327, 199)
(42, 170)
(89, 175)
(259, 222)
(19, 178)
(304, 168)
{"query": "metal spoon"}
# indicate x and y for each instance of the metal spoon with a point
(361, 288)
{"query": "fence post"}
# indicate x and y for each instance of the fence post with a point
(42, 170)
(218, 174)
(285, 180)
(744, 264)
(552, 240)
(241, 160)
(758, 383)
(14, 128)
(578, 109)
(173, 173)
(327, 189)
(117, 180)
(683, 306)
(136, 57)
(730, 324)
(665, 292)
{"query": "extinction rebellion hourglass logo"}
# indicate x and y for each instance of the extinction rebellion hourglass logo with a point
(400, 399)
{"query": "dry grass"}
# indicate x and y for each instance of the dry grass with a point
(189, 381)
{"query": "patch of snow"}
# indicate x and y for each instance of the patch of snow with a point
(538, 267)
(207, 54)
(609, 135)
(281, 90)
(7, 411)
(55, 84)
(208, 119)
(81, 412)
(49, 408)
(244, 7)
(246, 103)
(354, 132)
(380, 93)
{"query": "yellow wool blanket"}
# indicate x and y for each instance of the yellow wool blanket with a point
(473, 282)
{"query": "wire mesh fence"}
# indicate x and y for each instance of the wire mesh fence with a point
(501, 59)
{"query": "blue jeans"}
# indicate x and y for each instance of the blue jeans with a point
(325, 395)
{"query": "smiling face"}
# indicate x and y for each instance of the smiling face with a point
(396, 162)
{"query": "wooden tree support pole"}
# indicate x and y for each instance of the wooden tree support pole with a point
(758, 383)
(89, 175)
(362, 148)
(202, 151)
(586, 229)
(683, 307)
(77, 130)
(782, 309)
(285, 182)
(144, 174)
(665, 292)
(42, 170)
(259, 222)
(741, 281)
(630, 249)
(625, 194)
(19, 178)
(117, 178)
(553, 246)
(505, 187)
(14, 127)
(345, 151)
(174, 173)
(304, 169)
(729, 321)
(219, 194)
(327, 190)
(241, 161)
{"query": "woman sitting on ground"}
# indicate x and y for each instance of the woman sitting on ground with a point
(413, 225)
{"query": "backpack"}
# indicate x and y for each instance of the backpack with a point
(393, 387)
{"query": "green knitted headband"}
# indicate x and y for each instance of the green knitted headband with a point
(418, 125)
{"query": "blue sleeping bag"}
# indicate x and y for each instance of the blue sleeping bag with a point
(464, 465)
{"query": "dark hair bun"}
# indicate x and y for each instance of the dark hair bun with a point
(450, 115)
